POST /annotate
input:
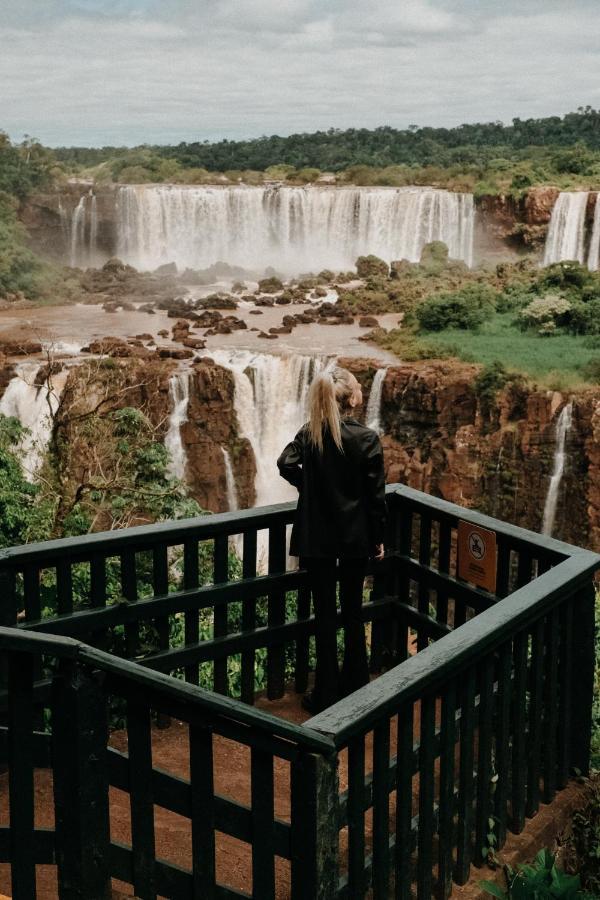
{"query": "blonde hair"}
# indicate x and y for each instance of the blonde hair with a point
(329, 395)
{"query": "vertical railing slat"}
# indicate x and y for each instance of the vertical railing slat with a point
(221, 628)
(276, 613)
(503, 731)
(426, 798)
(519, 743)
(98, 594)
(551, 704)
(447, 803)
(404, 800)
(191, 580)
(139, 744)
(303, 641)
(160, 583)
(64, 587)
(203, 812)
(20, 775)
(248, 616)
(356, 818)
(424, 559)
(402, 580)
(381, 810)
(534, 736)
(263, 849)
(484, 807)
(129, 590)
(466, 789)
(444, 568)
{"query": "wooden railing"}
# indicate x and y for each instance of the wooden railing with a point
(483, 712)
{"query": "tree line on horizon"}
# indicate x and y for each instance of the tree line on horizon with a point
(336, 149)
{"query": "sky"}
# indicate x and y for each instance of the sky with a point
(125, 72)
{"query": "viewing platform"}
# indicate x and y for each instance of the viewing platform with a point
(152, 745)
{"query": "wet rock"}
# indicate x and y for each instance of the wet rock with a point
(218, 301)
(147, 308)
(175, 353)
(194, 343)
(145, 336)
(117, 348)
(256, 312)
(269, 337)
(367, 322)
(263, 301)
(368, 266)
(270, 285)
(20, 348)
(166, 269)
(283, 329)
(46, 372)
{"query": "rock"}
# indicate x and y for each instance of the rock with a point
(194, 343)
(320, 292)
(147, 308)
(367, 322)
(24, 347)
(183, 312)
(270, 285)
(271, 337)
(538, 205)
(264, 301)
(166, 269)
(218, 301)
(256, 312)
(144, 337)
(367, 266)
(117, 348)
(238, 287)
(163, 333)
(46, 372)
(173, 353)
(283, 329)
(284, 299)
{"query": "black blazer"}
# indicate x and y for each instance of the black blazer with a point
(341, 508)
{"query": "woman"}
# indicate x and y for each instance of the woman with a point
(337, 465)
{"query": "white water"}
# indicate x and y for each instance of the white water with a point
(270, 403)
(34, 407)
(594, 252)
(294, 229)
(567, 232)
(81, 230)
(179, 394)
(232, 499)
(563, 425)
(373, 413)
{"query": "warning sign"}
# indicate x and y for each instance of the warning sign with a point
(477, 555)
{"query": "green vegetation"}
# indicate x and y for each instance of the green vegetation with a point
(544, 323)
(484, 157)
(537, 881)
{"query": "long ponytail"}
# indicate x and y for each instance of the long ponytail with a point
(329, 391)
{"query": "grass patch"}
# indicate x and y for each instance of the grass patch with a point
(555, 361)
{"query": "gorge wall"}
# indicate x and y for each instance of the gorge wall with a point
(439, 436)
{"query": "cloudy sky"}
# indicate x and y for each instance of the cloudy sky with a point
(100, 72)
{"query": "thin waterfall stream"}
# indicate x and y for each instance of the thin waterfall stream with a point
(373, 413)
(563, 426)
(179, 395)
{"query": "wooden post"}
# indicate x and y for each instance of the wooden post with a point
(315, 835)
(582, 679)
(79, 739)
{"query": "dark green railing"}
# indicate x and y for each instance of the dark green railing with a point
(483, 712)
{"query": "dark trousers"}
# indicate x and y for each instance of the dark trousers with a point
(330, 684)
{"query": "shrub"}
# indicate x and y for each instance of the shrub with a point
(565, 274)
(538, 880)
(551, 310)
(585, 318)
(466, 309)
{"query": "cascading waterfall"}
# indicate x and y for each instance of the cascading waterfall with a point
(294, 229)
(231, 492)
(563, 425)
(81, 229)
(271, 406)
(567, 233)
(373, 413)
(179, 395)
(594, 252)
(34, 406)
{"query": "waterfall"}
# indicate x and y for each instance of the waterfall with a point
(179, 395)
(294, 229)
(373, 413)
(271, 406)
(566, 233)
(563, 425)
(82, 230)
(232, 500)
(34, 406)
(594, 251)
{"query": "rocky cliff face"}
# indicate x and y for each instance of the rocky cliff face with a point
(440, 438)
(144, 384)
